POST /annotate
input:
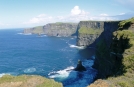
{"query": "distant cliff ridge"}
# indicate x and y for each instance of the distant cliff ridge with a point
(54, 29)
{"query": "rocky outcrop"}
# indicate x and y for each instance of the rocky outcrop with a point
(54, 29)
(80, 67)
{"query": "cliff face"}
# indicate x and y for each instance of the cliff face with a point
(60, 29)
(54, 29)
(34, 30)
(115, 55)
(98, 34)
(90, 32)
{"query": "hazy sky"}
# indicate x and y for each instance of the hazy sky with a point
(30, 13)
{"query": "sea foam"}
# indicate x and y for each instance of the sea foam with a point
(78, 47)
(71, 78)
(29, 70)
(2, 74)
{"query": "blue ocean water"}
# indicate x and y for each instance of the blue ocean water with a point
(52, 57)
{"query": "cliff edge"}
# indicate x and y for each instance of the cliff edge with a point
(54, 29)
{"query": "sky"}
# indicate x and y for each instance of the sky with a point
(31, 13)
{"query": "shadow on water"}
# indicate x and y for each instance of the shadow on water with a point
(87, 53)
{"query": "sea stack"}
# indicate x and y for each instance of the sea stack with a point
(80, 67)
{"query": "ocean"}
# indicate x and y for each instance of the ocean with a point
(48, 56)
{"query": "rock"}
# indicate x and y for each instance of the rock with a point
(80, 67)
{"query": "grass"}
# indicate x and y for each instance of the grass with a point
(38, 30)
(85, 30)
(126, 23)
(28, 81)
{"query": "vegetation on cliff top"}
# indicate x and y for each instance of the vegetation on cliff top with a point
(38, 30)
(27, 81)
(126, 23)
(85, 30)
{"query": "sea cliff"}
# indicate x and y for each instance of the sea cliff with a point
(54, 29)
(114, 54)
(90, 32)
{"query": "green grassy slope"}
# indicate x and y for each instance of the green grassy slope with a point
(27, 81)
(38, 30)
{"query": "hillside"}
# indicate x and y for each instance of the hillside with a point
(27, 81)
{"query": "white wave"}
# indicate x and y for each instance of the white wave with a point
(42, 36)
(19, 33)
(58, 36)
(30, 70)
(62, 73)
(27, 34)
(78, 47)
(71, 78)
(2, 74)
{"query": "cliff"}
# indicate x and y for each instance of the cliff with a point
(115, 54)
(98, 34)
(54, 29)
(34, 30)
(90, 32)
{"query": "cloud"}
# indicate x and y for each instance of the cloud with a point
(3, 24)
(39, 19)
(76, 14)
(123, 16)
(103, 14)
(77, 11)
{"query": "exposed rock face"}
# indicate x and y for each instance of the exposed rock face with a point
(103, 62)
(54, 29)
(89, 31)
